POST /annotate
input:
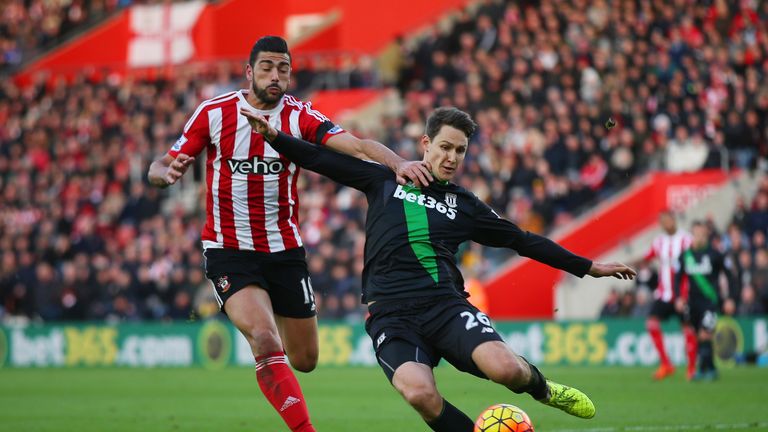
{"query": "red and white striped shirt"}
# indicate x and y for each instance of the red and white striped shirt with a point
(252, 200)
(667, 249)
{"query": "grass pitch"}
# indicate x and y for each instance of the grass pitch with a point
(361, 399)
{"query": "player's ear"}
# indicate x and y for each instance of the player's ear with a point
(248, 72)
(425, 143)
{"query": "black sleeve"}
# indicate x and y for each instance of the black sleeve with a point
(677, 283)
(492, 230)
(721, 267)
(339, 167)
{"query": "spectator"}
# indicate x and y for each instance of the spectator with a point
(612, 306)
(684, 153)
(757, 218)
(749, 305)
(760, 277)
(628, 303)
(642, 304)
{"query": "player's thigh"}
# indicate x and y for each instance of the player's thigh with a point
(290, 286)
(408, 366)
(661, 310)
(250, 310)
(415, 381)
(467, 329)
(704, 320)
(299, 336)
(232, 270)
(394, 352)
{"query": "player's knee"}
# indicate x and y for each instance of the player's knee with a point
(263, 340)
(422, 396)
(303, 363)
(652, 323)
(302, 358)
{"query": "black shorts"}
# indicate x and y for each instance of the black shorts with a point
(702, 316)
(283, 275)
(664, 310)
(426, 330)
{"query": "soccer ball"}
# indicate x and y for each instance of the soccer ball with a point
(503, 418)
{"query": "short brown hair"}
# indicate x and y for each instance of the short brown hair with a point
(450, 116)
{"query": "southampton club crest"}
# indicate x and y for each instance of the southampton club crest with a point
(450, 199)
(223, 284)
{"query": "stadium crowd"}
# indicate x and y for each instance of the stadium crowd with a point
(84, 237)
(30, 27)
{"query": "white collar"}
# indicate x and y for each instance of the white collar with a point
(274, 111)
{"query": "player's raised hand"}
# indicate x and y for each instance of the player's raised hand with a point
(177, 168)
(259, 123)
(415, 171)
(615, 269)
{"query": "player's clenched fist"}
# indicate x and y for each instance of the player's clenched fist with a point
(178, 167)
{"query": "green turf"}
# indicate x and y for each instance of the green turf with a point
(360, 399)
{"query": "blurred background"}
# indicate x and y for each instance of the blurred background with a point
(94, 90)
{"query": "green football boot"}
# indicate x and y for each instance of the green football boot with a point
(569, 399)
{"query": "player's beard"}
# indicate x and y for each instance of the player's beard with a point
(262, 95)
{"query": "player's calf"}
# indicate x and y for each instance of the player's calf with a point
(501, 365)
(451, 419)
(510, 371)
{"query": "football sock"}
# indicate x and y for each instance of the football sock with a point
(658, 342)
(282, 390)
(690, 347)
(707, 356)
(537, 386)
(451, 420)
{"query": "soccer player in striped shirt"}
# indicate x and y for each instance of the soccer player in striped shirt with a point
(252, 246)
(666, 249)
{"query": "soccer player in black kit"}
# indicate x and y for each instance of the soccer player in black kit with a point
(702, 266)
(413, 288)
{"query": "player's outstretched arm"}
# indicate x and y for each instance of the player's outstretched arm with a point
(339, 167)
(490, 229)
(615, 269)
(416, 171)
(168, 170)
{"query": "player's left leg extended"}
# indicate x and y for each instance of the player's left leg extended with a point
(497, 361)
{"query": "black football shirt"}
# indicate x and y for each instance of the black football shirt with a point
(413, 234)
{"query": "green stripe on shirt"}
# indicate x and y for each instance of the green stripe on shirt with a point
(418, 233)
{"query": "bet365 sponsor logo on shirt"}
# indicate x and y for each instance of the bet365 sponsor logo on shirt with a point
(447, 208)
